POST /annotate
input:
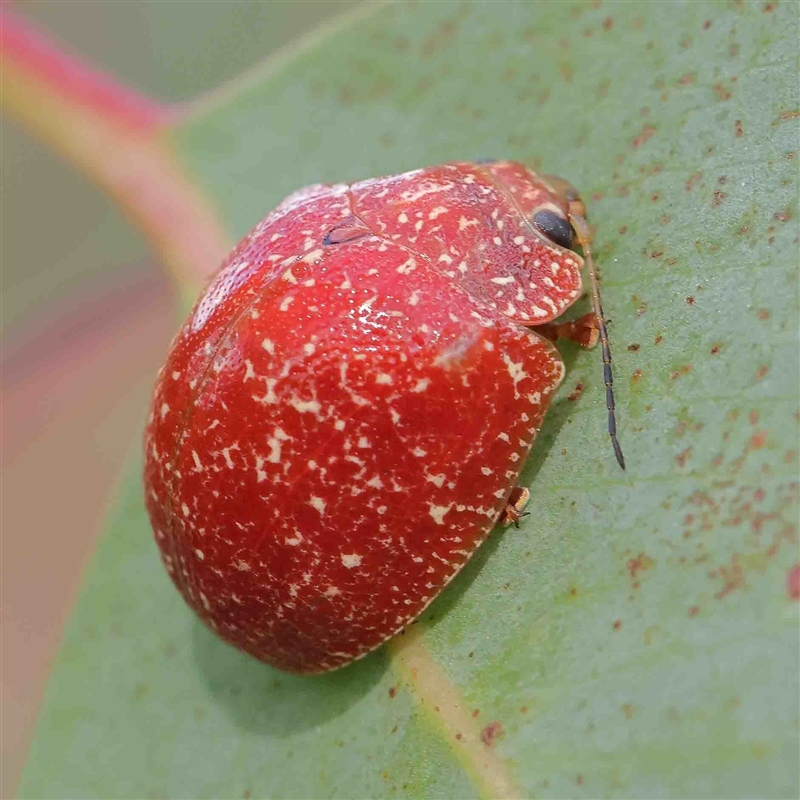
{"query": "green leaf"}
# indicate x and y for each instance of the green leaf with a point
(637, 636)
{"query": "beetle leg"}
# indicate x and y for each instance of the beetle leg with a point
(584, 330)
(512, 513)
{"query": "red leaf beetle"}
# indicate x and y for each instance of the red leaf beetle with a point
(344, 415)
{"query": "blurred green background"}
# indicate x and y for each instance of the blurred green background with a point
(87, 314)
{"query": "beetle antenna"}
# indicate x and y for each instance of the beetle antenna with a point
(584, 234)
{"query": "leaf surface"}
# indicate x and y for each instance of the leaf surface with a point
(638, 635)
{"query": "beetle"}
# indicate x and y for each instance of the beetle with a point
(343, 417)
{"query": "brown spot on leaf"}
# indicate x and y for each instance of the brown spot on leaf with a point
(762, 372)
(793, 582)
(737, 128)
(732, 577)
(616, 625)
(632, 348)
(641, 563)
(688, 79)
(576, 392)
(684, 370)
(690, 300)
(683, 457)
(693, 179)
(644, 135)
(491, 733)
(392, 691)
(758, 440)
(694, 611)
(722, 92)
(627, 710)
(715, 349)
(719, 197)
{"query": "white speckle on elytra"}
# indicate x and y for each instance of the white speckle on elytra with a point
(200, 554)
(535, 398)
(198, 466)
(305, 406)
(497, 240)
(504, 281)
(519, 239)
(274, 442)
(206, 604)
(339, 425)
(515, 370)
(438, 512)
(538, 311)
(375, 482)
(421, 385)
(464, 223)
(164, 410)
(270, 398)
(504, 436)
(313, 256)
(185, 509)
(402, 218)
(364, 443)
(436, 480)
(331, 591)
(176, 375)
(288, 276)
(318, 503)
(384, 379)
(275, 237)
(226, 452)
(547, 301)
(309, 349)
(414, 299)
(269, 346)
(285, 303)
(486, 470)
(419, 452)
(295, 540)
(394, 415)
(407, 267)
(242, 566)
(351, 560)
(446, 259)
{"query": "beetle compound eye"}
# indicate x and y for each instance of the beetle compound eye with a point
(554, 227)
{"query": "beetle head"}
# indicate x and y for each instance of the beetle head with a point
(547, 202)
